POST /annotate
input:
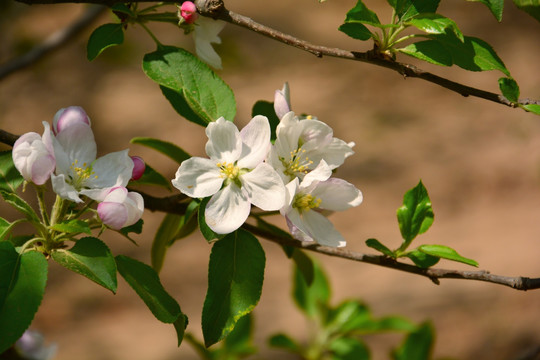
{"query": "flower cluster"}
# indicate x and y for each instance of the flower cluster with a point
(67, 155)
(293, 175)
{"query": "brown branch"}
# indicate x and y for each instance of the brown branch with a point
(53, 42)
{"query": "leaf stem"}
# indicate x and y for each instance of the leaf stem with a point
(158, 43)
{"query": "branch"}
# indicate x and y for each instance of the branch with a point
(53, 42)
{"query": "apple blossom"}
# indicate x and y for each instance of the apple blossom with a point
(78, 171)
(33, 156)
(205, 33)
(188, 12)
(138, 167)
(120, 208)
(235, 175)
(316, 193)
(301, 144)
(68, 116)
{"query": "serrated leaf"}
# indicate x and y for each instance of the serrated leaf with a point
(10, 177)
(431, 51)
(311, 298)
(266, 108)
(89, 257)
(103, 37)
(446, 252)
(21, 205)
(495, 6)
(171, 150)
(343, 348)
(377, 245)
(360, 13)
(203, 91)
(283, 341)
(435, 24)
(152, 177)
(417, 346)
(531, 7)
(422, 260)
(509, 89)
(416, 215)
(534, 108)
(356, 31)
(145, 281)
(235, 279)
(407, 9)
(74, 226)
(22, 285)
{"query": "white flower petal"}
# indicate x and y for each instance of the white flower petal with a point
(76, 144)
(227, 210)
(224, 141)
(315, 132)
(321, 173)
(337, 194)
(255, 142)
(135, 207)
(282, 101)
(63, 189)
(318, 227)
(333, 153)
(113, 169)
(198, 177)
(290, 190)
(264, 188)
(206, 32)
(288, 133)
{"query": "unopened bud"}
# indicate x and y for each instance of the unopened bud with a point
(68, 116)
(138, 167)
(188, 11)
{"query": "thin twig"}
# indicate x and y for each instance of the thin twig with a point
(53, 42)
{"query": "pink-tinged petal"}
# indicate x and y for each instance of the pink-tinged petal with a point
(264, 188)
(337, 194)
(47, 137)
(198, 177)
(138, 167)
(113, 214)
(33, 158)
(113, 169)
(227, 210)
(255, 142)
(63, 189)
(75, 143)
(42, 169)
(135, 207)
(66, 117)
(98, 194)
(282, 101)
(318, 227)
(321, 173)
(224, 141)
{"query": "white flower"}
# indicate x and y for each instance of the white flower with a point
(120, 208)
(78, 171)
(306, 200)
(301, 144)
(235, 175)
(205, 33)
(33, 156)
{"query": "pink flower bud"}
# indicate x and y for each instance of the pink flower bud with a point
(120, 208)
(33, 156)
(138, 167)
(188, 11)
(69, 116)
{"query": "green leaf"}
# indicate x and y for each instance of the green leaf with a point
(283, 341)
(205, 92)
(135, 228)
(407, 9)
(266, 108)
(445, 252)
(416, 215)
(122, 8)
(152, 177)
(350, 315)
(435, 24)
(356, 31)
(534, 108)
(422, 260)
(105, 36)
(417, 346)
(181, 106)
(431, 51)
(344, 348)
(207, 233)
(180, 326)
(377, 245)
(91, 258)
(311, 298)
(495, 6)
(21, 205)
(166, 232)
(74, 226)
(235, 279)
(531, 7)
(360, 13)
(6, 226)
(509, 89)
(239, 342)
(10, 177)
(171, 150)
(145, 281)
(22, 285)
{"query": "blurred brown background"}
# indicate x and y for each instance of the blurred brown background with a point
(480, 162)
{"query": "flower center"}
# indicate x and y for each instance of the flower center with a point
(81, 174)
(305, 202)
(230, 173)
(298, 163)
